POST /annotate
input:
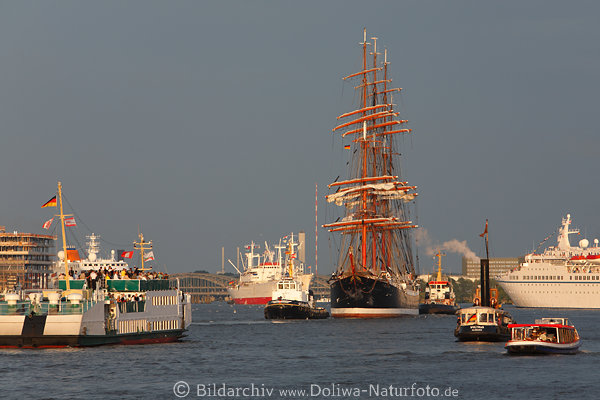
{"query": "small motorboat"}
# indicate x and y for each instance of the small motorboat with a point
(545, 336)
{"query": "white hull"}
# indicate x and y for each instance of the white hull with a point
(259, 292)
(563, 276)
(554, 294)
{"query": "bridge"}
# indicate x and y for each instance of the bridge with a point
(205, 288)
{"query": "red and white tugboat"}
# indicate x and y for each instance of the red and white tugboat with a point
(439, 295)
(546, 336)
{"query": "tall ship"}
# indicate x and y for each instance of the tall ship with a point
(562, 276)
(261, 272)
(375, 274)
(97, 308)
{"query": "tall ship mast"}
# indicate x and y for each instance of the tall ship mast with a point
(375, 274)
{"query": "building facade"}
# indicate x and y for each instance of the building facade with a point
(26, 260)
(471, 268)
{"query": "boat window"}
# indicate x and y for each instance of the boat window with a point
(490, 317)
(483, 317)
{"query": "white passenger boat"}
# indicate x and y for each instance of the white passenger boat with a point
(545, 336)
(114, 311)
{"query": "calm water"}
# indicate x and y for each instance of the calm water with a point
(234, 346)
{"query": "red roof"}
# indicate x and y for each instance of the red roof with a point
(540, 325)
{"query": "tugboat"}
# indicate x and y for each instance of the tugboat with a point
(484, 322)
(114, 311)
(261, 273)
(291, 300)
(546, 336)
(375, 275)
(439, 295)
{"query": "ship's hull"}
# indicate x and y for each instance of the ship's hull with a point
(565, 292)
(293, 310)
(435, 308)
(256, 293)
(260, 292)
(54, 341)
(365, 297)
(533, 347)
(163, 316)
(482, 333)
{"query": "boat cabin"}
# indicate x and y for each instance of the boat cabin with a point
(551, 330)
(290, 289)
(482, 316)
(439, 292)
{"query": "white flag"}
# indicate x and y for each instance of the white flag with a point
(149, 256)
(48, 223)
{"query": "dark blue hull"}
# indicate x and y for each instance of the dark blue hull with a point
(433, 308)
(293, 310)
(359, 296)
(482, 333)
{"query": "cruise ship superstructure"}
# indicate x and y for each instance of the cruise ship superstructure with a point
(563, 276)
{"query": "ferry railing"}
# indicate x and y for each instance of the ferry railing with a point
(62, 308)
(132, 306)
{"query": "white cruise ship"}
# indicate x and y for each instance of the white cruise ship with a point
(563, 276)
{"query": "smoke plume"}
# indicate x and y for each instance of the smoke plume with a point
(454, 245)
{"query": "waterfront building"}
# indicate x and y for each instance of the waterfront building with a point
(471, 268)
(26, 259)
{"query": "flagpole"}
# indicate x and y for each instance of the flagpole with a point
(62, 225)
(487, 249)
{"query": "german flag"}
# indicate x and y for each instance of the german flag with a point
(50, 203)
(347, 147)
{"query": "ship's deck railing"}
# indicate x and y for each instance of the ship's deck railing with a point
(26, 308)
(121, 285)
(132, 306)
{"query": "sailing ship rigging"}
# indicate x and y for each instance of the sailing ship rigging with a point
(375, 274)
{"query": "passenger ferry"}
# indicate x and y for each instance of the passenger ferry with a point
(113, 311)
(546, 336)
(563, 276)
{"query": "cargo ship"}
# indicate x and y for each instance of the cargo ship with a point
(259, 277)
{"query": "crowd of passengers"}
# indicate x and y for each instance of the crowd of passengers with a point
(124, 298)
(92, 277)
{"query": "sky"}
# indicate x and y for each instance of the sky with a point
(207, 124)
